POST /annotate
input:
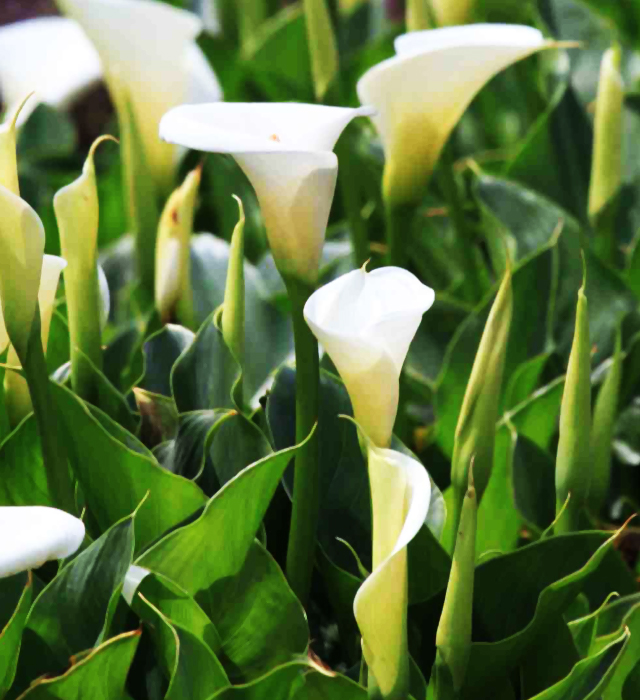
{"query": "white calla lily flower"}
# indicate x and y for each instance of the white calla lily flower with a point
(33, 535)
(285, 150)
(26, 65)
(400, 495)
(421, 93)
(22, 245)
(366, 322)
(148, 53)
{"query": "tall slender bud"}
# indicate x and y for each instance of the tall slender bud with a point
(173, 291)
(476, 429)
(418, 15)
(77, 212)
(453, 638)
(8, 160)
(606, 168)
(322, 46)
(574, 460)
(604, 417)
(233, 312)
(450, 13)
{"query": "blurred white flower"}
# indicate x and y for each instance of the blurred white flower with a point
(33, 535)
(421, 93)
(366, 322)
(149, 55)
(48, 55)
(286, 152)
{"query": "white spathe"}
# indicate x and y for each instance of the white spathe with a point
(33, 535)
(22, 244)
(400, 496)
(132, 579)
(50, 56)
(148, 52)
(366, 322)
(285, 149)
(421, 93)
(52, 267)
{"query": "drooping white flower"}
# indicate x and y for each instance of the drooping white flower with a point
(50, 56)
(421, 93)
(148, 54)
(400, 494)
(366, 322)
(33, 535)
(133, 578)
(286, 152)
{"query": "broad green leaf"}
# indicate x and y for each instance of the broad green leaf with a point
(68, 615)
(534, 484)
(233, 578)
(23, 480)
(161, 351)
(195, 556)
(100, 675)
(180, 607)
(132, 476)
(192, 669)
(531, 220)
(298, 680)
(16, 594)
(590, 677)
(204, 376)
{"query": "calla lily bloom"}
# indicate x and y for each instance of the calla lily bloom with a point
(132, 579)
(33, 535)
(22, 245)
(366, 322)
(421, 93)
(148, 55)
(26, 65)
(400, 493)
(286, 152)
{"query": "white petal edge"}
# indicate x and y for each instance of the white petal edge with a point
(52, 267)
(498, 35)
(105, 297)
(33, 535)
(132, 579)
(247, 127)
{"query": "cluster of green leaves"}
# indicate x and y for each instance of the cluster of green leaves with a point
(179, 474)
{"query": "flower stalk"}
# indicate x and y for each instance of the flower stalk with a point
(306, 491)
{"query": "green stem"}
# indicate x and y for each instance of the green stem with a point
(350, 194)
(84, 310)
(399, 218)
(51, 434)
(306, 491)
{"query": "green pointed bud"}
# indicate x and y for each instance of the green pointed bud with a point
(77, 213)
(418, 15)
(476, 429)
(453, 638)
(233, 313)
(606, 168)
(173, 292)
(450, 13)
(574, 460)
(8, 160)
(604, 418)
(322, 46)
